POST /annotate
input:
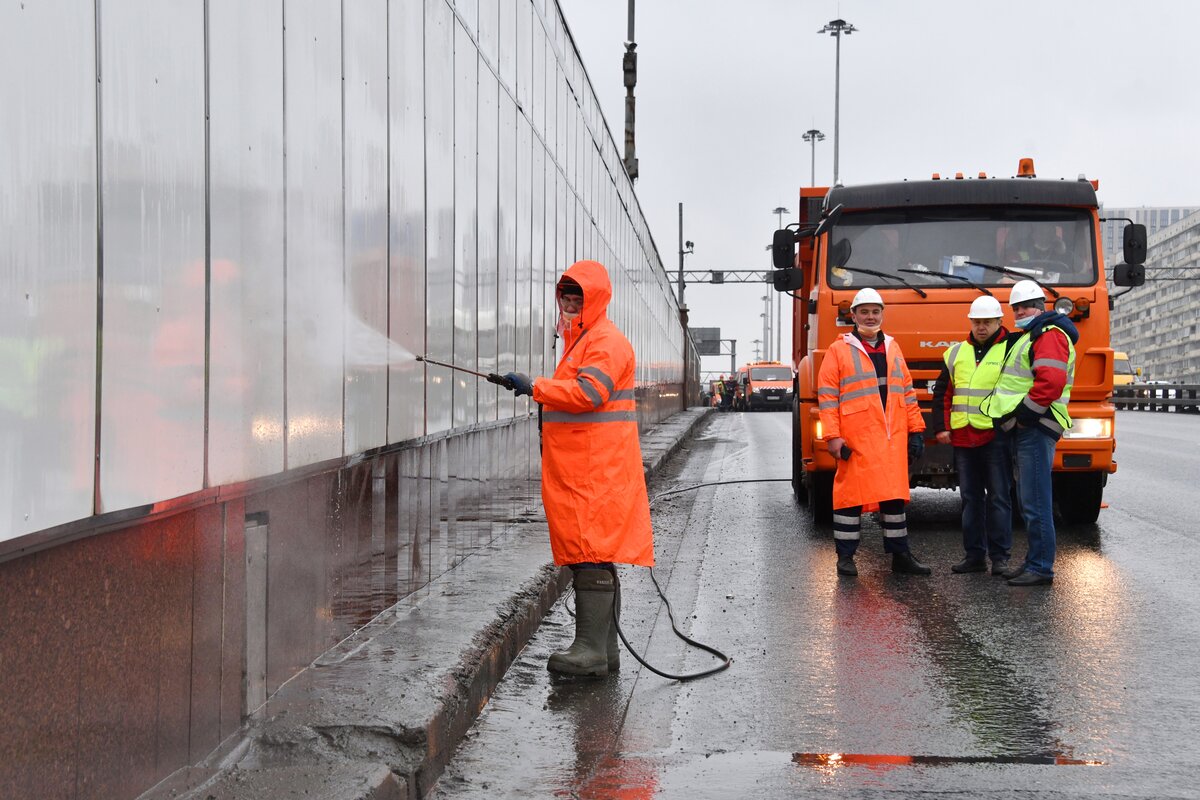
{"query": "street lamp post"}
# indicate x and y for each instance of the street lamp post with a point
(813, 135)
(837, 28)
(778, 211)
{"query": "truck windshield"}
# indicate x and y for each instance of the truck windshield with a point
(1052, 245)
(1121, 366)
(771, 374)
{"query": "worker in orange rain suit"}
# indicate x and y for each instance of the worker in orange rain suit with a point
(873, 426)
(593, 484)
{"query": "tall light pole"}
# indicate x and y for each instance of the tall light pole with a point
(813, 135)
(778, 211)
(766, 318)
(836, 28)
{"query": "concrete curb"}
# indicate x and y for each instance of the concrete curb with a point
(379, 716)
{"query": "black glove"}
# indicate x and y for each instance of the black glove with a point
(521, 384)
(1027, 417)
(916, 446)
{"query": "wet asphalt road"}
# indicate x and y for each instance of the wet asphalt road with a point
(899, 685)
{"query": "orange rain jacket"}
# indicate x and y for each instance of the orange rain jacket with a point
(848, 399)
(593, 484)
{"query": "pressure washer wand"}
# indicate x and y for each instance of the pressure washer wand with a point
(490, 377)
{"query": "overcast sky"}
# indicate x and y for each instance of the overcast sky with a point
(725, 90)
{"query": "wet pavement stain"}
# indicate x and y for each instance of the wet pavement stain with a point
(834, 760)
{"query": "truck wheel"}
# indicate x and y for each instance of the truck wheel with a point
(1079, 495)
(799, 485)
(820, 497)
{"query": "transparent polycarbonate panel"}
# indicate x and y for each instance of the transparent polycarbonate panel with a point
(507, 246)
(246, 355)
(568, 151)
(553, 267)
(489, 32)
(537, 315)
(315, 311)
(524, 53)
(48, 273)
(406, 272)
(524, 242)
(537, 94)
(466, 320)
(368, 349)
(152, 196)
(468, 11)
(507, 46)
(487, 282)
(550, 131)
(439, 219)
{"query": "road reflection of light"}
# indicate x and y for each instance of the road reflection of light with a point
(829, 763)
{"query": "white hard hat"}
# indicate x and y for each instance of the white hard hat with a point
(1025, 290)
(985, 307)
(865, 296)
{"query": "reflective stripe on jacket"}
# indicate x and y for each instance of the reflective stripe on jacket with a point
(1017, 377)
(850, 408)
(593, 483)
(971, 383)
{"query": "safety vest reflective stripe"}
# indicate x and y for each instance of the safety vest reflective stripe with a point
(972, 383)
(590, 416)
(1016, 379)
(623, 394)
(860, 393)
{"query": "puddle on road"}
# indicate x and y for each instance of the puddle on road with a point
(828, 761)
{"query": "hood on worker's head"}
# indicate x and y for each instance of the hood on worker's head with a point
(592, 277)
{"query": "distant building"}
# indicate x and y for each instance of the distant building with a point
(1155, 219)
(1156, 324)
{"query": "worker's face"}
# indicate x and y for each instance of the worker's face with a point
(868, 317)
(571, 304)
(983, 329)
(1023, 311)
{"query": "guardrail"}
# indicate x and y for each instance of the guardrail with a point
(1158, 397)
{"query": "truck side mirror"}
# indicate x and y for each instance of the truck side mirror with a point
(1129, 274)
(1135, 245)
(783, 250)
(787, 280)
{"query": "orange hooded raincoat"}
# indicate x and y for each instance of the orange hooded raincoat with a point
(848, 400)
(593, 484)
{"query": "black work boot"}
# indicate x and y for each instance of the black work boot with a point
(846, 566)
(1013, 572)
(970, 564)
(999, 566)
(905, 563)
(595, 590)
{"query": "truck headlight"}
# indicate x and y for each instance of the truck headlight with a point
(1089, 429)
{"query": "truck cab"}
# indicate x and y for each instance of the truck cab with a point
(930, 247)
(766, 386)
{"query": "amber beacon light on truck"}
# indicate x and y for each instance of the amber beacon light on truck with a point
(930, 247)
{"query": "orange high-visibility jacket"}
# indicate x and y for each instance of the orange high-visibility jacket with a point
(593, 484)
(848, 399)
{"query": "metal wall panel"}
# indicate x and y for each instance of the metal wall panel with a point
(489, 32)
(439, 219)
(152, 180)
(315, 310)
(246, 214)
(487, 283)
(406, 270)
(368, 348)
(48, 253)
(524, 54)
(524, 286)
(507, 247)
(466, 133)
(507, 54)
(537, 290)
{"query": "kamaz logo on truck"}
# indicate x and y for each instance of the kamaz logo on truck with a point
(941, 345)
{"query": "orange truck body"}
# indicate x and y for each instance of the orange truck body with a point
(934, 228)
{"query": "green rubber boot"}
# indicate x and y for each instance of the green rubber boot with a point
(595, 591)
(614, 647)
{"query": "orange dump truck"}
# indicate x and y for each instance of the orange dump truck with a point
(930, 247)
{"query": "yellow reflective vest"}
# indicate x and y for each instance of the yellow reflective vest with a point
(972, 382)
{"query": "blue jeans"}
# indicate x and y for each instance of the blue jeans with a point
(985, 483)
(1034, 458)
